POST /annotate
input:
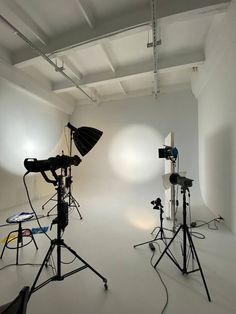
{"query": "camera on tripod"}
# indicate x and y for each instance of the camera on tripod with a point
(157, 204)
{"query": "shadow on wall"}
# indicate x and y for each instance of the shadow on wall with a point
(217, 180)
(12, 190)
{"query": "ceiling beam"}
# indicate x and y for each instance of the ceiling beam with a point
(117, 97)
(20, 19)
(113, 68)
(85, 10)
(5, 55)
(27, 83)
(122, 88)
(173, 7)
(118, 26)
(195, 13)
(165, 65)
(138, 93)
(108, 58)
(84, 37)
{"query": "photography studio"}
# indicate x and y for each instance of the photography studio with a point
(117, 156)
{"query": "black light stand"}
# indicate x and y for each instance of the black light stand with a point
(85, 138)
(157, 205)
(61, 220)
(72, 202)
(186, 236)
(173, 197)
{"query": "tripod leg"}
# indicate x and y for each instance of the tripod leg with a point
(19, 242)
(76, 204)
(7, 241)
(199, 265)
(48, 254)
(154, 230)
(50, 199)
(85, 263)
(166, 251)
(51, 209)
(150, 241)
(48, 213)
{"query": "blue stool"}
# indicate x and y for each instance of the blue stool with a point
(21, 233)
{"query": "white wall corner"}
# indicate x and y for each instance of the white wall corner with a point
(23, 81)
(219, 40)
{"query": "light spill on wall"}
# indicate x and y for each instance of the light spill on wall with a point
(28, 128)
(133, 153)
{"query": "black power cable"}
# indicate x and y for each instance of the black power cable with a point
(203, 223)
(31, 206)
(159, 275)
(195, 234)
(24, 264)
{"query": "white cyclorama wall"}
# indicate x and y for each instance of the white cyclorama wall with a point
(215, 88)
(28, 129)
(122, 162)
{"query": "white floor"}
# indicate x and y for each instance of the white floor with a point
(105, 238)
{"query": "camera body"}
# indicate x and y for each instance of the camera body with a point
(157, 204)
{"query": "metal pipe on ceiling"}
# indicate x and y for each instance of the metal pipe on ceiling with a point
(156, 41)
(43, 55)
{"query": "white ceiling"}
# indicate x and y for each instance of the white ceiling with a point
(102, 45)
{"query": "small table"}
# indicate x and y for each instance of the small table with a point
(21, 233)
